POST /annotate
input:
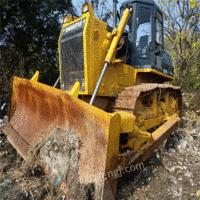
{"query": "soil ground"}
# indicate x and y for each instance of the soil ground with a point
(172, 172)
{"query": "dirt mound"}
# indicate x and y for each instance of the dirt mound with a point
(51, 171)
(59, 155)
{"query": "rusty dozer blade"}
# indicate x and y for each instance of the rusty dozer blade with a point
(37, 109)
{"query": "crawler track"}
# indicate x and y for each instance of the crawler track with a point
(153, 105)
(127, 100)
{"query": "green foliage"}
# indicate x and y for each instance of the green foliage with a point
(182, 41)
(29, 37)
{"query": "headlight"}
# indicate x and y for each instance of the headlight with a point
(65, 20)
(85, 8)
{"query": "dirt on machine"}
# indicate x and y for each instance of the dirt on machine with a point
(113, 108)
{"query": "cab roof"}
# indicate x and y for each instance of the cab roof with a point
(128, 4)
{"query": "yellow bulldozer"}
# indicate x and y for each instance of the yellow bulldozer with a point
(112, 93)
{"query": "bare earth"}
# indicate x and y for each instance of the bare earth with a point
(172, 172)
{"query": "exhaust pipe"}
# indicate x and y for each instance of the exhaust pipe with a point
(115, 13)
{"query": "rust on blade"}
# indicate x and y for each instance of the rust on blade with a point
(37, 109)
(16, 140)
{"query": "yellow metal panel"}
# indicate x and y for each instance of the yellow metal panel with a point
(116, 76)
(156, 72)
(94, 35)
(127, 122)
(85, 34)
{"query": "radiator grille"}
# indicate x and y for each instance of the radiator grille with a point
(72, 59)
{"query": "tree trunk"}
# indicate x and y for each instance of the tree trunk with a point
(21, 65)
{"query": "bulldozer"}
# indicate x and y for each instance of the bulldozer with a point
(114, 93)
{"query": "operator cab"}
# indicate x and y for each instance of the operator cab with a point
(145, 37)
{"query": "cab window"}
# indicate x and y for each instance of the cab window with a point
(159, 29)
(143, 38)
